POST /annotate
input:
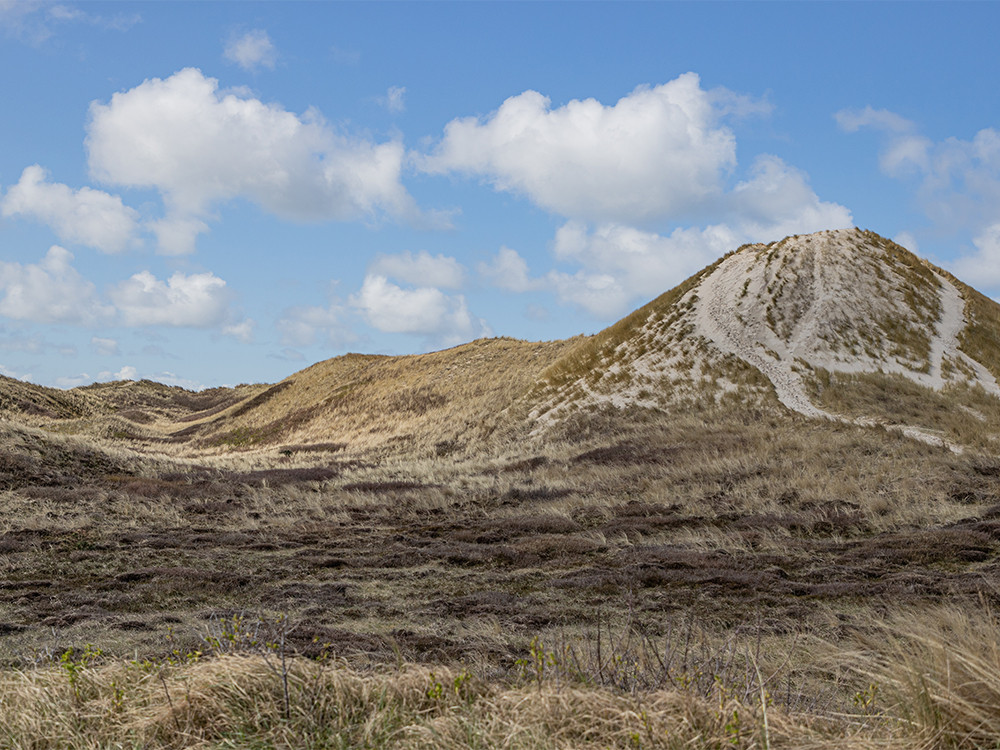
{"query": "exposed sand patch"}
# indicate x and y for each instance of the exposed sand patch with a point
(737, 307)
(842, 301)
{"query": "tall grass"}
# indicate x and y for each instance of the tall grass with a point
(237, 701)
(928, 680)
(940, 673)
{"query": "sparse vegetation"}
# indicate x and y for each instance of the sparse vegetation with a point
(414, 552)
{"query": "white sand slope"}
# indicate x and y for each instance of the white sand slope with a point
(803, 301)
(748, 338)
(843, 301)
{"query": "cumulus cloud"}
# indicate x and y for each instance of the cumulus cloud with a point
(635, 179)
(981, 268)
(13, 341)
(957, 181)
(776, 200)
(242, 331)
(104, 347)
(177, 234)
(508, 270)
(905, 150)
(85, 216)
(8, 372)
(425, 310)
(658, 152)
(51, 291)
(620, 263)
(198, 146)
(308, 324)
(617, 264)
(251, 50)
(198, 300)
(128, 372)
(422, 269)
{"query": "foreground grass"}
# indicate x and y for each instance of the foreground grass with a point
(928, 680)
(238, 702)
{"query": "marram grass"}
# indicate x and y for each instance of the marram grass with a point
(925, 681)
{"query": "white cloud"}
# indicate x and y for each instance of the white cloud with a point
(7, 372)
(128, 372)
(425, 310)
(776, 201)
(957, 181)
(200, 300)
(620, 264)
(17, 342)
(169, 378)
(852, 120)
(243, 331)
(307, 324)
(252, 50)
(905, 150)
(658, 152)
(104, 347)
(660, 156)
(85, 216)
(51, 291)
(422, 269)
(73, 381)
(177, 234)
(600, 294)
(199, 146)
(981, 269)
(33, 20)
(509, 271)
(394, 99)
(117, 22)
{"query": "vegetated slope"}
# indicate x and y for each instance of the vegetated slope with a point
(429, 404)
(23, 401)
(840, 325)
(677, 525)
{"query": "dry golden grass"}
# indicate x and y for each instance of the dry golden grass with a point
(240, 702)
(925, 680)
(981, 337)
(961, 415)
(671, 575)
(429, 404)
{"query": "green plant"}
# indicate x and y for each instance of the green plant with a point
(74, 661)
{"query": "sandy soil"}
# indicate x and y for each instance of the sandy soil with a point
(732, 313)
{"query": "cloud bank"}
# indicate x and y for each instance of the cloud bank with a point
(199, 146)
(660, 151)
(956, 183)
(85, 216)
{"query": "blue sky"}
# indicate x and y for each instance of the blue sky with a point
(213, 193)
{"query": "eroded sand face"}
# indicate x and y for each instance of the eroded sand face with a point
(842, 301)
(736, 312)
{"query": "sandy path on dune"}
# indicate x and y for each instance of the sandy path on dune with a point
(748, 339)
(752, 340)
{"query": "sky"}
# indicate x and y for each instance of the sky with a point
(209, 194)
